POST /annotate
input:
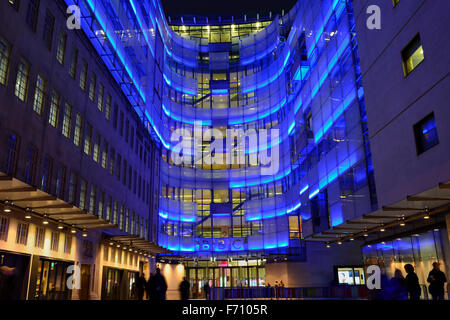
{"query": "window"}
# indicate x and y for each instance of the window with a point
(108, 107)
(30, 165)
(60, 181)
(4, 60)
(93, 200)
(412, 55)
(39, 94)
(105, 155)
(119, 165)
(101, 203)
(108, 209)
(96, 153)
(87, 140)
(92, 87)
(61, 50)
(22, 233)
(14, 4)
(67, 121)
(425, 132)
(39, 237)
(22, 80)
(54, 241)
(68, 244)
(78, 129)
(115, 216)
(47, 34)
(73, 181)
(112, 161)
(46, 173)
(73, 64)
(4, 226)
(83, 76)
(11, 155)
(83, 194)
(32, 14)
(101, 94)
(54, 109)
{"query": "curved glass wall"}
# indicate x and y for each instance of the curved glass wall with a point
(261, 125)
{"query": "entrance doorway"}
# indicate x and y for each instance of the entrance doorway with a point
(85, 281)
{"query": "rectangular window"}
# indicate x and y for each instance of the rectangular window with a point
(68, 244)
(32, 14)
(426, 135)
(47, 34)
(67, 121)
(83, 194)
(112, 161)
(30, 165)
(23, 71)
(46, 173)
(4, 226)
(83, 76)
(4, 60)
(11, 155)
(101, 203)
(108, 107)
(39, 238)
(39, 94)
(60, 181)
(412, 55)
(119, 166)
(54, 109)
(92, 87)
(73, 181)
(101, 93)
(22, 233)
(78, 129)
(116, 212)
(87, 140)
(105, 155)
(54, 241)
(73, 64)
(96, 153)
(61, 50)
(93, 200)
(108, 209)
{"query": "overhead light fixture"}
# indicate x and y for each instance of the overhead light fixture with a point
(28, 213)
(111, 243)
(382, 229)
(73, 230)
(328, 245)
(339, 242)
(84, 233)
(118, 246)
(7, 207)
(45, 221)
(351, 239)
(366, 235)
(60, 225)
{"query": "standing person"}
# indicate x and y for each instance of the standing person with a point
(157, 286)
(436, 278)
(206, 288)
(398, 286)
(412, 283)
(140, 286)
(184, 289)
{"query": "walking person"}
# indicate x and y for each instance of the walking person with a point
(398, 286)
(140, 286)
(184, 289)
(436, 278)
(157, 286)
(412, 283)
(206, 288)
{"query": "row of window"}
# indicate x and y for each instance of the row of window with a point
(39, 236)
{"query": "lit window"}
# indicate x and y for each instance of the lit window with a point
(101, 93)
(83, 192)
(54, 241)
(108, 107)
(412, 55)
(4, 226)
(22, 80)
(68, 244)
(92, 87)
(87, 140)
(105, 155)
(83, 76)
(395, 2)
(93, 200)
(78, 130)
(22, 233)
(61, 51)
(38, 104)
(39, 238)
(425, 132)
(54, 109)
(4, 60)
(96, 153)
(67, 121)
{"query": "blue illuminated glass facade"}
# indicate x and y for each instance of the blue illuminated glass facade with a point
(295, 83)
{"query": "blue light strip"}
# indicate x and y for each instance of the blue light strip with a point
(305, 188)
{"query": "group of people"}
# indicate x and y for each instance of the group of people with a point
(155, 288)
(277, 284)
(399, 287)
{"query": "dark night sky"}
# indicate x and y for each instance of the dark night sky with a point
(225, 7)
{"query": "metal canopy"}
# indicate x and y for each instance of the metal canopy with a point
(139, 243)
(422, 205)
(21, 196)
